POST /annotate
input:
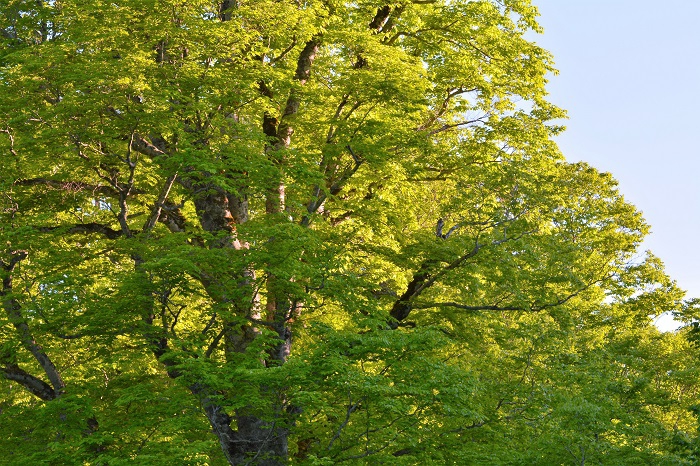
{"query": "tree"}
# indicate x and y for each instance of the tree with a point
(262, 232)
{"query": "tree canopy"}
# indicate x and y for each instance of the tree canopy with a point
(316, 232)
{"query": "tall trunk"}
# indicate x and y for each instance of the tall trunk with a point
(254, 438)
(279, 133)
(246, 436)
(259, 440)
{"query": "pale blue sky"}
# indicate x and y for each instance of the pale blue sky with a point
(630, 80)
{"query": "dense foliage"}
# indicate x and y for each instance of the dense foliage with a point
(316, 232)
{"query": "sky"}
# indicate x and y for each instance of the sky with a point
(629, 77)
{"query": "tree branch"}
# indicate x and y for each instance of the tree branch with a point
(302, 75)
(351, 408)
(457, 125)
(33, 384)
(143, 146)
(380, 18)
(285, 51)
(85, 228)
(160, 203)
(68, 186)
(320, 195)
(423, 279)
(531, 308)
(13, 309)
(444, 106)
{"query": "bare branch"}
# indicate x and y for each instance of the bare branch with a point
(438, 228)
(452, 230)
(126, 191)
(380, 18)
(357, 160)
(225, 9)
(302, 75)
(172, 217)
(210, 324)
(10, 136)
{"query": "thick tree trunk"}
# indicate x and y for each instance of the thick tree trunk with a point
(246, 437)
(258, 440)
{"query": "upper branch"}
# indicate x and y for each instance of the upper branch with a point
(481, 119)
(302, 75)
(534, 307)
(426, 275)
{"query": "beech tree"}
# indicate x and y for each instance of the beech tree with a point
(273, 232)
